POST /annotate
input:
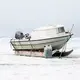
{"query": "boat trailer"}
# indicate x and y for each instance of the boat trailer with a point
(47, 53)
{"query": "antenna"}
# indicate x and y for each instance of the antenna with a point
(71, 28)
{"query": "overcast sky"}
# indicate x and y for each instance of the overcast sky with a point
(25, 15)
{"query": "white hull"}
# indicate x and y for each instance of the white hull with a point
(56, 43)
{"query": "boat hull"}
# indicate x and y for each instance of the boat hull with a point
(23, 45)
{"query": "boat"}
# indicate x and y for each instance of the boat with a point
(56, 36)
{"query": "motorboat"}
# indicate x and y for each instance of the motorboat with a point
(56, 36)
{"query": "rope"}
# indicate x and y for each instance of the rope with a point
(31, 46)
(11, 44)
(20, 44)
(64, 48)
(61, 52)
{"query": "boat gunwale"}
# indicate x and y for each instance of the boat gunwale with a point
(14, 40)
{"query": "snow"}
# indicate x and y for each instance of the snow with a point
(14, 67)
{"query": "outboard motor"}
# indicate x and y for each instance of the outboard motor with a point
(19, 35)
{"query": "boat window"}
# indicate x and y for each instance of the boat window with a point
(61, 29)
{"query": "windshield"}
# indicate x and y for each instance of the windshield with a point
(61, 29)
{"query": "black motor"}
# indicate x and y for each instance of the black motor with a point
(19, 35)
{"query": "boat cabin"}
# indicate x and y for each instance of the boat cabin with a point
(47, 32)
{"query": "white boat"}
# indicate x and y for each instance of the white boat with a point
(56, 36)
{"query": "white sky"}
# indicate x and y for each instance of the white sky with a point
(25, 15)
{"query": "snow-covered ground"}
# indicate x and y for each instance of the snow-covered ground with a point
(13, 67)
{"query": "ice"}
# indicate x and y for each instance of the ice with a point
(14, 67)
